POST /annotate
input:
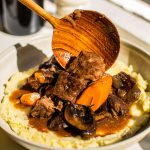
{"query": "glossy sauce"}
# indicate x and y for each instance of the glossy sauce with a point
(63, 133)
(104, 127)
(111, 125)
(39, 124)
(15, 98)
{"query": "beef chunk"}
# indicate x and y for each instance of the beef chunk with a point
(57, 123)
(44, 108)
(103, 107)
(40, 77)
(51, 63)
(88, 66)
(122, 80)
(133, 94)
(103, 112)
(59, 104)
(117, 105)
(47, 90)
(33, 82)
(69, 86)
(124, 92)
(43, 76)
(124, 86)
(101, 115)
(47, 74)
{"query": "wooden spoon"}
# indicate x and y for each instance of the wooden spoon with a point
(82, 30)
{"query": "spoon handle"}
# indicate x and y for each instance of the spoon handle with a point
(40, 11)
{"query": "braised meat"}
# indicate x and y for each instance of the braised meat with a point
(101, 115)
(46, 89)
(59, 89)
(44, 108)
(69, 86)
(33, 82)
(50, 64)
(40, 77)
(57, 123)
(88, 66)
(132, 95)
(124, 86)
(124, 92)
(59, 104)
(47, 74)
(103, 108)
(117, 105)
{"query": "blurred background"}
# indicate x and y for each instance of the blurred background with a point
(132, 16)
(17, 23)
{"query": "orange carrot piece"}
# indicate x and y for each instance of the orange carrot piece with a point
(40, 77)
(97, 93)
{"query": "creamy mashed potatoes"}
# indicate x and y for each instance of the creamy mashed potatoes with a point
(18, 119)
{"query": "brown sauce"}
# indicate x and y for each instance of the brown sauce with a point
(104, 127)
(63, 133)
(39, 124)
(15, 98)
(111, 125)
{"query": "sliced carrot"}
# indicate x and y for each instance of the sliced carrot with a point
(39, 76)
(29, 99)
(96, 94)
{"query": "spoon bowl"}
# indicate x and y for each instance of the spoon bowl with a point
(82, 30)
(85, 30)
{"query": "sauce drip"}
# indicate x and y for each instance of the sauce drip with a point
(15, 98)
(111, 125)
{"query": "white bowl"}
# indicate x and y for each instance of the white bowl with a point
(27, 55)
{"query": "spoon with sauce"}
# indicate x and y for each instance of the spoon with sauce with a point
(82, 30)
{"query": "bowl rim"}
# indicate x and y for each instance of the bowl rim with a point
(11, 133)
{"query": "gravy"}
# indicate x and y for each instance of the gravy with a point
(15, 98)
(111, 125)
(104, 127)
(63, 133)
(39, 124)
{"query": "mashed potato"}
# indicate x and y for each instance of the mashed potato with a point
(18, 120)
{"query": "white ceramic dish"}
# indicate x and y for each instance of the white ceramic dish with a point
(24, 56)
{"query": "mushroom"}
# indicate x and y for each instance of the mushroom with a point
(79, 116)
